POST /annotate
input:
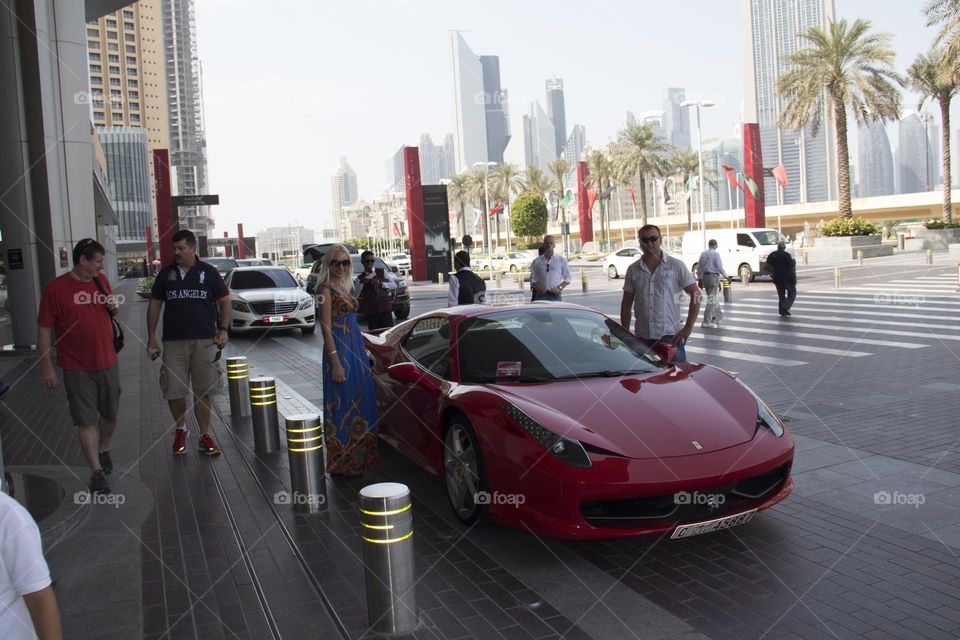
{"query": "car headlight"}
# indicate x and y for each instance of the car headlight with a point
(401, 284)
(565, 449)
(240, 306)
(306, 303)
(765, 418)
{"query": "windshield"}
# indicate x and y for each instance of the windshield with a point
(768, 237)
(221, 264)
(263, 279)
(542, 344)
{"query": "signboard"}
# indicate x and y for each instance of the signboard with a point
(15, 258)
(436, 230)
(195, 200)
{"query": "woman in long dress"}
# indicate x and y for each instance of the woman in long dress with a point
(349, 401)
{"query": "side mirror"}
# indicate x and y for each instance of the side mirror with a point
(666, 352)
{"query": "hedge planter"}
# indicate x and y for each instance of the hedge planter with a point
(939, 239)
(833, 248)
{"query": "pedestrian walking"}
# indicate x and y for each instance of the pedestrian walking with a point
(709, 272)
(196, 317)
(73, 307)
(28, 606)
(784, 271)
(548, 285)
(651, 290)
(372, 289)
(465, 286)
(349, 400)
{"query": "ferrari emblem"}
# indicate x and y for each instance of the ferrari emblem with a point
(696, 445)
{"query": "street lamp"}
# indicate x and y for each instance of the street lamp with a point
(486, 211)
(703, 214)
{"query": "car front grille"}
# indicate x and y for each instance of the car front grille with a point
(273, 308)
(662, 510)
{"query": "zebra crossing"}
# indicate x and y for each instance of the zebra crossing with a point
(856, 322)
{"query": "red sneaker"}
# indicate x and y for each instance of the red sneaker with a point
(207, 446)
(180, 442)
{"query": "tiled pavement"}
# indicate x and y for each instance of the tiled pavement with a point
(830, 562)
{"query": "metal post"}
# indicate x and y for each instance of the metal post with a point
(860, 256)
(440, 277)
(806, 258)
(583, 280)
(238, 384)
(386, 519)
(520, 280)
(305, 452)
(263, 405)
(499, 276)
(837, 278)
(929, 256)
(727, 291)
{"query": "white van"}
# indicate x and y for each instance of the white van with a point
(744, 251)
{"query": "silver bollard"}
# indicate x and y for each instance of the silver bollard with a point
(238, 383)
(860, 256)
(520, 280)
(837, 278)
(583, 280)
(263, 406)
(386, 518)
(305, 451)
(499, 281)
(929, 256)
(727, 291)
(806, 258)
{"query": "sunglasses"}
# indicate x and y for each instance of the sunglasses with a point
(340, 263)
(217, 357)
(650, 239)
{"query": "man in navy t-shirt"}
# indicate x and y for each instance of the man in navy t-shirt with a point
(196, 315)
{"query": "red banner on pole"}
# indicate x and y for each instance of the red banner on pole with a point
(586, 223)
(753, 170)
(241, 247)
(415, 224)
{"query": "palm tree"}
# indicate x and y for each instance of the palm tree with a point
(478, 188)
(927, 77)
(560, 167)
(685, 163)
(535, 180)
(946, 12)
(601, 170)
(458, 190)
(855, 69)
(504, 180)
(640, 154)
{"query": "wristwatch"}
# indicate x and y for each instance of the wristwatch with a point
(222, 328)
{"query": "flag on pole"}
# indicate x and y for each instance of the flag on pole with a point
(666, 194)
(497, 209)
(396, 230)
(591, 199)
(567, 198)
(751, 186)
(633, 196)
(730, 178)
(780, 173)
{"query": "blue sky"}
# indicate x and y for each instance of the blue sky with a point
(288, 92)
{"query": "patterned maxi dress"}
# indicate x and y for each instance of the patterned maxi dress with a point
(349, 408)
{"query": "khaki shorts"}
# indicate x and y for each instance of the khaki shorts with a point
(92, 394)
(189, 362)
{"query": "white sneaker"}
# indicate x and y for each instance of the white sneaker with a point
(716, 325)
(705, 325)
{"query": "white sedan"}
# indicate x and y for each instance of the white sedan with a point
(268, 298)
(617, 262)
(399, 260)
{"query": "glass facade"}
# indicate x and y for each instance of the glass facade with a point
(127, 155)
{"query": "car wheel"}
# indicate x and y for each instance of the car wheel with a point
(463, 472)
(402, 313)
(746, 273)
(612, 272)
(307, 331)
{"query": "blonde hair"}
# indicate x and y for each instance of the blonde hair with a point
(345, 283)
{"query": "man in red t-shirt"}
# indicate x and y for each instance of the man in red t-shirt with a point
(73, 307)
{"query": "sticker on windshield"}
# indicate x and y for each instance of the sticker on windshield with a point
(508, 368)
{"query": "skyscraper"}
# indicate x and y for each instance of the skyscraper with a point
(575, 145)
(394, 171)
(874, 161)
(343, 190)
(912, 155)
(127, 153)
(188, 142)
(470, 120)
(436, 162)
(495, 108)
(557, 112)
(676, 119)
(539, 142)
(770, 34)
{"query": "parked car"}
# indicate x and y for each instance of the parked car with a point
(617, 263)
(400, 297)
(512, 261)
(222, 265)
(400, 261)
(255, 262)
(489, 400)
(743, 251)
(268, 298)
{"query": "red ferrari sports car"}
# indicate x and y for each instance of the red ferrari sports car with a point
(552, 418)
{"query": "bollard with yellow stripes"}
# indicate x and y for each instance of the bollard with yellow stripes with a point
(860, 256)
(238, 379)
(386, 521)
(305, 452)
(929, 256)
(263, 407)
(727, 291)
(583, 280)
(837, 278)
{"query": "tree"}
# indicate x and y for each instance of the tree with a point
(459, 191)
(535, 180)
(529, 215)
(600, 178)
(685, 163)
(928, 77)
(855, 69)
(504, 180)
(560, 167)
(478, 195)
(947, 13)
(638, 154)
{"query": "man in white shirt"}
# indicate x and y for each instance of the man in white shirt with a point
(651, 289)
(28, 608)
(550, 273)
(709, 270)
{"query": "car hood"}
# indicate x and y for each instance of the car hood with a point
(265, 295)
(656, 415)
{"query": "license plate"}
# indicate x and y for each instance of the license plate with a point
(699, 528)
(274, 319)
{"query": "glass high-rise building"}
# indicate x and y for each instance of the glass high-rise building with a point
(556, 110)
(874, 161)
(770, 35)
(127, 154)
(676, 119)
(495, 108)
(912, 155)
(343, 190)
(470, 120)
